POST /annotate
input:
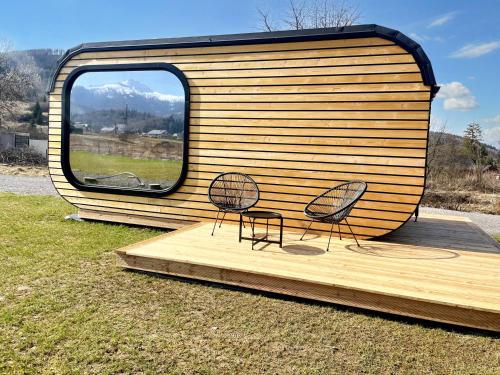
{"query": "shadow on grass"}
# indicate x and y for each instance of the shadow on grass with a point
(348, 309)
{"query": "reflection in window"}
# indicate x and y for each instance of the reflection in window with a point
(126, 129)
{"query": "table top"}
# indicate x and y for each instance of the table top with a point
(262, 214)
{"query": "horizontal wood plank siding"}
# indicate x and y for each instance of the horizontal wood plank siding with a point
(298, 116)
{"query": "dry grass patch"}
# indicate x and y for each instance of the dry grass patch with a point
(66, 308)
(18, 170)
(462, 191)
(466, 201)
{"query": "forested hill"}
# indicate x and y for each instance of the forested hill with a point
(46, 61)
(447, 149)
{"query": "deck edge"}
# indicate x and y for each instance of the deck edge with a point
(406, 306)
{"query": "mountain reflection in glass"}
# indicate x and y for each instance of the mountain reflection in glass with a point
(126, 129)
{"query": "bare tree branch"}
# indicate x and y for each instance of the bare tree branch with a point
(436, 140)
(304, 14)
(332, 13)
(19, 80)
(265, 20)
(297, 15)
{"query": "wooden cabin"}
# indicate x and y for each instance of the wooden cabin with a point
(299, 111)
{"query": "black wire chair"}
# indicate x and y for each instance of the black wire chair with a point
(232, 192)
(334, 205)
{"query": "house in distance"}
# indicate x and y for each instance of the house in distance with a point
(157, 133)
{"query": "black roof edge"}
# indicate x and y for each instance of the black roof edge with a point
(346, 32)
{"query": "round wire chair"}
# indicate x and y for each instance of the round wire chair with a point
(232, 192)
(334, 205)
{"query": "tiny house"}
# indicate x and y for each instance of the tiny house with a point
(299, 111)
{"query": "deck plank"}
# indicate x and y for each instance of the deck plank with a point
(451, 274)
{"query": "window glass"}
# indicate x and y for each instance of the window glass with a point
(126, 129)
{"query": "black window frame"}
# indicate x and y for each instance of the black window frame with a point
(65, 128)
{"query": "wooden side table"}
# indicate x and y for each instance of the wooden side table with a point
(254, 215)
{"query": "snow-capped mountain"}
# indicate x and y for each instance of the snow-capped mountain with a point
(131, 93)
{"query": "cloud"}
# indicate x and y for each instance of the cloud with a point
(492, 120)
(437, 123)
(417, 37)
(470, 51)
(492, 136)
(457, 96)
(441, 20)
(423, 37)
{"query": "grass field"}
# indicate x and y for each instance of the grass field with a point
(66, 308)
(85, 163)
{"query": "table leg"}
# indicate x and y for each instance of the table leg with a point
(241, 222)
(281, 232)
(253, 232)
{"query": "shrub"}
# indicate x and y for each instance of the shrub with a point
(22, 156)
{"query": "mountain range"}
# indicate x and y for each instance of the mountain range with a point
(134, 94)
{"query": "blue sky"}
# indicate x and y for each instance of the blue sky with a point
(462, 38)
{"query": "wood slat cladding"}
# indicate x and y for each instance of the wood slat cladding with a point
(299, 115)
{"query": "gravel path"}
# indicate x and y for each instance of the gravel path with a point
(27, 185)
(43, 186)
(489, 223)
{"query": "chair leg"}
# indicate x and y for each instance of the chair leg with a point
(329, 238)
(340, 233)
(357, 243)
(303, 234)
(223, 216)
(215, 224)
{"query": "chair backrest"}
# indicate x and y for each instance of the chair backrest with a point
(337, 201)
(233, 191)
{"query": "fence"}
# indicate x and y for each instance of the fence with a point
(20, 140)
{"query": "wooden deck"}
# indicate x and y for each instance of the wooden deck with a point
(443, 269)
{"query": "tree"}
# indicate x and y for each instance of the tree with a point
(306, 14)
(19, 80)
(474, 149)
(434, 147)
(36, 115)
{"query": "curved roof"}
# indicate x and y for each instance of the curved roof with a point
(358, 31)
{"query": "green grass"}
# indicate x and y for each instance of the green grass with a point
(66, 308)
(93, 164)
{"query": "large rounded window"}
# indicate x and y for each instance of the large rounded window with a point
(125, 128)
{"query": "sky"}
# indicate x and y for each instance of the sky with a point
(461, 38)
